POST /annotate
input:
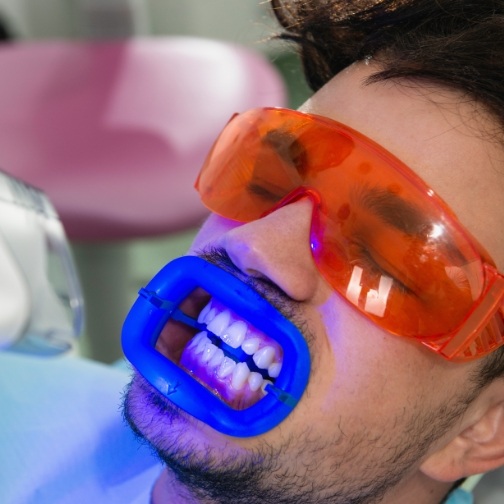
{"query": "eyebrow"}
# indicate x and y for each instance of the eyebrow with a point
(392, 209)
(288, 147)
(403, 216)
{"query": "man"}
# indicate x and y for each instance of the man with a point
(397, 408)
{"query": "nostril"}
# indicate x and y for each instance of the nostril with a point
(257, 275)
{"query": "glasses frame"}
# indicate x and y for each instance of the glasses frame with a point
(482, 329)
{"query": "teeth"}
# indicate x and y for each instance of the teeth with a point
(255, 381)
(235, 334)
(219, 323)
(240, 375)
(204, 313)
(203, 341)
(217, 358)
(197, 338)
(274, 369)
(251, 345)
(226, 368)
(264, 357)
(208, 352)
(210, 315)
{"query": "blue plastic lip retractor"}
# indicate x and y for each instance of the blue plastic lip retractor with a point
(159, 301)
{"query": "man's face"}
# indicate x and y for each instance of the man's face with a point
(376, 405)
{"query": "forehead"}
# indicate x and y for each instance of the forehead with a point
(438, 133)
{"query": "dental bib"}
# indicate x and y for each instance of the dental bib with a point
(160, 310)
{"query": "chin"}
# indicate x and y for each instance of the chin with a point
(164, 425)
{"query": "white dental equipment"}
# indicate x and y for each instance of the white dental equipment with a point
(41, 305)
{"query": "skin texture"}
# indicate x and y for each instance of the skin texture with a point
(382, 418)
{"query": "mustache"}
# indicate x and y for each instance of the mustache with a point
(288, 307)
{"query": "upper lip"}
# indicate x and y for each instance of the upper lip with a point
(262, 285)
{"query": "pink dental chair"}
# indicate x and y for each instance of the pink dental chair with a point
(114, 133)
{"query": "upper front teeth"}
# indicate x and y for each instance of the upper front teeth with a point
(219, 323)
(204, 313)
(235, 334)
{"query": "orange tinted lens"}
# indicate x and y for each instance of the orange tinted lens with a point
(247, 171)
(393, 254)
(262, 156)
(384, 241)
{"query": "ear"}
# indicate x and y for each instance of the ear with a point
(479, 446)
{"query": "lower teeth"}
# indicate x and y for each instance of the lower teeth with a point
(226, 368)
(240, 376)
(223, 366)
(255, 381)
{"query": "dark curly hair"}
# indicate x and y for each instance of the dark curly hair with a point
(458, 44)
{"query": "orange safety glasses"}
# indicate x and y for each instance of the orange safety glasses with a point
(379, 235)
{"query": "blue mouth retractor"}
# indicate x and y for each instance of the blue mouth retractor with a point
(159, 302)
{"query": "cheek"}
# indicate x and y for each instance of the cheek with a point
(365, 371)
(211, 232)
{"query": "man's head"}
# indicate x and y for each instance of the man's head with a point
(451, 45)
(382, 416)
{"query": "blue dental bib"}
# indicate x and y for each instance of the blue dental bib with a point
(159, 302)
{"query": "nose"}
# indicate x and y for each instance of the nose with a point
(277, 248)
